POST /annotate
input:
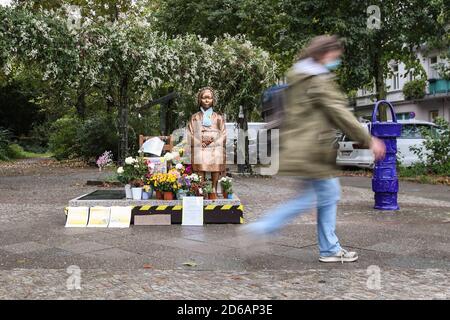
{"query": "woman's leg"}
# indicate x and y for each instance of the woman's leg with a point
(328, 194)
(277, 217)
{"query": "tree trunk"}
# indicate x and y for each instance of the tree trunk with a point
(123, 120)
(380, 87)
(81, 104)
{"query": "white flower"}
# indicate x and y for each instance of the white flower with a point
(200, 190)
(151, 165)
(168, 156)
(179, 166)
(120, 170)
(130, 160)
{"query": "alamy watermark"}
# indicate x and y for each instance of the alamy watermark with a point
(374, 19)
(74, 280)
(374, 277)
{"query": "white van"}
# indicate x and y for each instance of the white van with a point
(351, 154)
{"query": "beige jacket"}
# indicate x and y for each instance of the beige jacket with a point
(315, 108)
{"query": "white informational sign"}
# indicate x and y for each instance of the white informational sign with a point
(99, 217)
(120, 217)
(77, 217)
(192, 211)
(154, 146)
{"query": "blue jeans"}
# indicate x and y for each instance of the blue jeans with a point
(327, 193)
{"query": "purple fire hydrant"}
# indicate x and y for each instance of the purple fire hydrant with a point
(385, 180)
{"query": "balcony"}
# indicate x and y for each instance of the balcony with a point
(438, 86)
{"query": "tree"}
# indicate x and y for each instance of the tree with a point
(127, 62)
(283, 27)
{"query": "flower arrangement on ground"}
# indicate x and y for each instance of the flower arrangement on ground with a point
(104, 160)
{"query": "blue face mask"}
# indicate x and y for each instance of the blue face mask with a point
(333, 65)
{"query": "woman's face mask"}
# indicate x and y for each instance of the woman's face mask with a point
(333, 65)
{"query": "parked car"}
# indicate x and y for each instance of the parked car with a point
(232, 135)
(350, 153)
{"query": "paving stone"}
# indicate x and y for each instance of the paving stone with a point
(409, 247)
(24, 247)
(82, 246)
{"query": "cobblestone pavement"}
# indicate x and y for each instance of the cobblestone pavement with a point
(188, 285)
(403, 254)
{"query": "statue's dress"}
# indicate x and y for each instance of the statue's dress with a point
(212, 158)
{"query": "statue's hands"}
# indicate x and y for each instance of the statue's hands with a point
(207, 142)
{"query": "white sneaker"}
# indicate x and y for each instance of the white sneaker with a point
(341, 256)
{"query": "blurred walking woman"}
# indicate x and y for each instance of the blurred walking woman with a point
(315, 108)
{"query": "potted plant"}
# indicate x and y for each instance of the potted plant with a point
(169, 184)
(133, 169)
(227, 187)
(136, 188)
(209, 190)
(184, 181)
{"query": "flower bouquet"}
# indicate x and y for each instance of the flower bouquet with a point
(133, 170)
(209, 190)
(227, 187)
(104, 160)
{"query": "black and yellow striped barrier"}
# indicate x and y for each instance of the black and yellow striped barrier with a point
(211, 213)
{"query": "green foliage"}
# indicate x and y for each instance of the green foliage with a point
(5, 137)
(416, 170)
(63, 138)
(437, 149)
(208, 188)
(284, 27)
(414, 89)
(96, 135)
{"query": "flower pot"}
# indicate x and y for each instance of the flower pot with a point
(181, 194)
(212, 196)
(230, 196)
(168, 195)
(159, 195)
(128, 193)
(137, 193)
(225, 195)
(147, 194)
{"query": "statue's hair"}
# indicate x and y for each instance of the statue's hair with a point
(200, 92)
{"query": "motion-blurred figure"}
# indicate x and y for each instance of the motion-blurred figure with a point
(315, 108)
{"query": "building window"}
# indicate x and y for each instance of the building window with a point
(433, 115)
(395, 78)
(432, 69)
(403, 115)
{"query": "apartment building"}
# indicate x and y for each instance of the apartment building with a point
(436, 101)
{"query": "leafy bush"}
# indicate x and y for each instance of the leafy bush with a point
(5, 137)
(63, 142)
(96, 135)
(414, 89)
(15, 152)
(38, 139)
(437, 148)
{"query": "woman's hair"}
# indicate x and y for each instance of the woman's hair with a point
(320, 45)
(200, 93)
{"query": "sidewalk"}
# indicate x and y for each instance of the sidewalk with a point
(410, 247)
